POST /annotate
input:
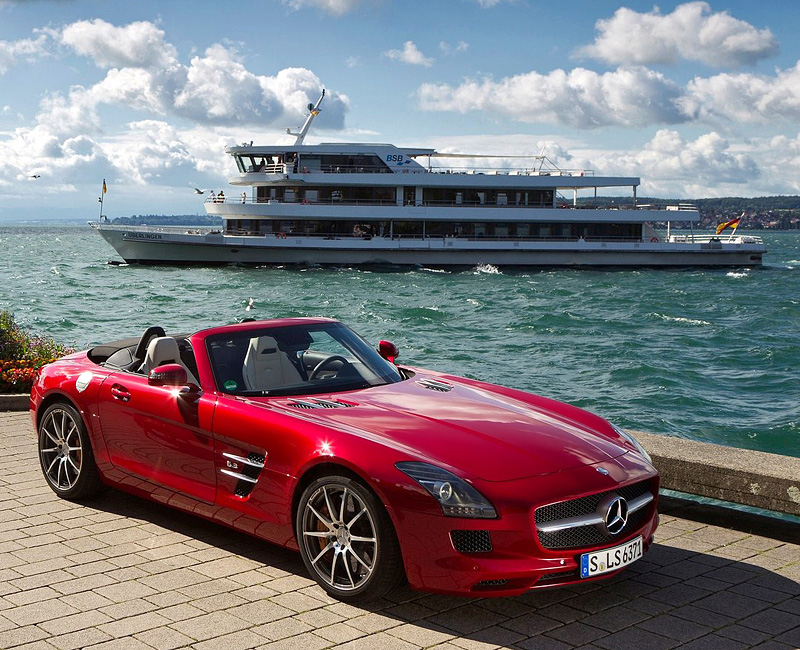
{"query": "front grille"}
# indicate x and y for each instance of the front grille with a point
(471, 541)
(589, 535)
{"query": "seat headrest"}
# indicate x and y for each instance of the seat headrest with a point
(163, 349)
(266, 345)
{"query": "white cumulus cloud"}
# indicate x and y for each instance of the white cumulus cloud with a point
(671, 166)
(409, 54)
(580, 98)
(692, 31)
(335, 7)
(27, 48)
(136, 45)
(745, 97)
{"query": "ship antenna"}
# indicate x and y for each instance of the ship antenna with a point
(313, 111)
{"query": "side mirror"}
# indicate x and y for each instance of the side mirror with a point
(388, 351)
(170, 374)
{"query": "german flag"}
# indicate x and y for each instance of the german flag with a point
(733, 223)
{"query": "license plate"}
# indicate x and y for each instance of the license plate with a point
(610, 559)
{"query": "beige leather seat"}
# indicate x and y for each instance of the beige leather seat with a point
(266, 366)
(161, 350)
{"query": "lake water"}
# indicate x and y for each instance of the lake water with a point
(710, 355)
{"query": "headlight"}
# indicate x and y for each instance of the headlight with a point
(634, 442)
(457, 497)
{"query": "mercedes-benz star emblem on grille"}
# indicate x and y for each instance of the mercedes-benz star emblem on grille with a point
(602, 470)
(616, 515)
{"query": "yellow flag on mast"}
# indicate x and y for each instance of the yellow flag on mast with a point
(104, 186)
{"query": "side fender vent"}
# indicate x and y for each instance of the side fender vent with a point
(314, 403)
(435, 384)
(245, 470)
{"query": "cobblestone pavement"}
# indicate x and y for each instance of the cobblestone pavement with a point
(123, 573)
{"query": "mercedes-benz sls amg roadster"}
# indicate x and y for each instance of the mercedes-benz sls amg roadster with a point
(300, 433)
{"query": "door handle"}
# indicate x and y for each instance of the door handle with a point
(120, 392)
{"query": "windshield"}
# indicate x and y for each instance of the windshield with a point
(296, 360)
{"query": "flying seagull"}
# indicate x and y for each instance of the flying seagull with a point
(250, 305)
(197, 190)
(36, 175)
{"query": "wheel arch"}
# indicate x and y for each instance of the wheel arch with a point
(53, 398)
(332, 467)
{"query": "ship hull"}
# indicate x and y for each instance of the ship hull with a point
(166, 246)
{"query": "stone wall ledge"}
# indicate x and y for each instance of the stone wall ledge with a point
(751, 478)
(15, 402)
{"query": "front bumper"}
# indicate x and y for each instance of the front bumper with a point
(507, 556)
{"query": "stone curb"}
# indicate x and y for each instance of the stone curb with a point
(751, 478)
(19, 402)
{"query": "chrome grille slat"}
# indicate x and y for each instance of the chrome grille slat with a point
(574, 523)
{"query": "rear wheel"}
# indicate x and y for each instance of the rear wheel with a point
(66, 454)
(347, 540)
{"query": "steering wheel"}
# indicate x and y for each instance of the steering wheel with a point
(325, 362)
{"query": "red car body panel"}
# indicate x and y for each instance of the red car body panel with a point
(519, 450)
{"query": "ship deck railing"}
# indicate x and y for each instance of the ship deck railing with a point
(710, 239)
(234, 200)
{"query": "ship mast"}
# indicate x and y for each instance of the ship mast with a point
(313, 111)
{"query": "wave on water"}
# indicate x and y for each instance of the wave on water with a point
(737, 274)
(681, 319)
(489, 269)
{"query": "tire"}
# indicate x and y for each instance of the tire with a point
(65, 453)
(347, 540)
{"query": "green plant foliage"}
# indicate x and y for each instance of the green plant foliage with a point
(22, 354)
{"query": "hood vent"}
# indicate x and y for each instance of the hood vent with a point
(435, 384)
(314, 403)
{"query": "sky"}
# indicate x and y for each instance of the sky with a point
(698, 99)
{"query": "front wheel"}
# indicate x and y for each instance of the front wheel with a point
(65, 453)
(347, 540)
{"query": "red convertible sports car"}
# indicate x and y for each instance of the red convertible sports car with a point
(300, 433)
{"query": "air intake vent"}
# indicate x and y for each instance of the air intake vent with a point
(245, 470)
(435, 384)
(314, 403)
(490, 584)
(471, 541)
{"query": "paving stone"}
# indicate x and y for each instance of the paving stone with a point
(743, 634)
(731, 604)
(163, 638)
(306, 641)
(80, 639)
(675, 628)
(714, 642)
(210, 625)
(635, 638)
(241, 640)
(576, 634)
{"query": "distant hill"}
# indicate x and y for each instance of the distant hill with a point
(168, 220)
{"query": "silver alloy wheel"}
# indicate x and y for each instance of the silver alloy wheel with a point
(60, 449)
(339, 537)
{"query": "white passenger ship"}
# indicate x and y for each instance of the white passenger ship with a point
(375, 204)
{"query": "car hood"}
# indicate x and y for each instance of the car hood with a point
(486, 434)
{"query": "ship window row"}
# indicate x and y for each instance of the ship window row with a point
(292, 162)
(430, 196)
(419, 229)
